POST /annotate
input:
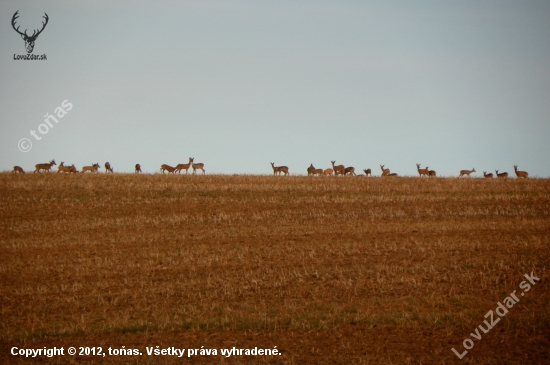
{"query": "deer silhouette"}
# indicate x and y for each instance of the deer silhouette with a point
(29, 40)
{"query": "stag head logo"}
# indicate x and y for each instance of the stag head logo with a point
(29, 40)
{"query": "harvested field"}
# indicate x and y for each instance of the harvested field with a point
(347, 270)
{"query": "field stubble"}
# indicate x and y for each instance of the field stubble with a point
(329, 270)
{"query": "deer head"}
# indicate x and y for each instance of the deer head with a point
(29, 40)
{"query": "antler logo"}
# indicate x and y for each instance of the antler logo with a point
(29, 40)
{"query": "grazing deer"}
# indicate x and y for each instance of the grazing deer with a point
(92, 168)
(503, 175)
(466, 172)
(138, 169)
(393, 174)
(108, 167)
(385, 172)
(338, 170)
(73, 169)
(487, 176)
(523, 174)
(168, 168)
(422, 171)
(367, 172)
(328, 172)
(196, 166)
(18, 169)
(183, 166)
(431, 173)
(44, 166)
(63, 168)
(278, 169)
(350, 170)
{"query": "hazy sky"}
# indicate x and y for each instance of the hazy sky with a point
(239, 84)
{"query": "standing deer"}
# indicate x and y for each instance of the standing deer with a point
(338, 170)
(523, 174)
(422, 171)
(278, 169)
(18, 169)
(168, 168)
(502, 175)
(385, 172)
(108, 167)
(44, 166)
(313, 171)
(196, 166)
(328, 172)
(487, 176)
(138, 169)
(431, 173)
(183, 166)
(92, 168)
(350, 170)
(367, 172)
(466, 172)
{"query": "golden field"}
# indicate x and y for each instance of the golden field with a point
(347, 270)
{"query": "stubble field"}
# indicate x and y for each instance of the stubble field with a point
(329, 270)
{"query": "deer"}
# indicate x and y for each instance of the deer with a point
(18, 169)
(392, 174)
(108, 167)
(92, 168)
(168, 168)
(338, 170)
(73, 169)
(29, 40)
(184, 166)
(502, 175)
(313, 171)
(328, 172)
(63, 168)
(367, 172)
(278, 169)
(196, 166)
(422, 171)
(487, 176)
(431, 173)
(385, 172)
(44, 166)
(466, 172)
(138, 169)
(519, 174)
(350, 170)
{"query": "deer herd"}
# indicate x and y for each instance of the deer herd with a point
(95, 167)
(350, 171)
(277, 170)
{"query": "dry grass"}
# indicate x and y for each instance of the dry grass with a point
(329, 270)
